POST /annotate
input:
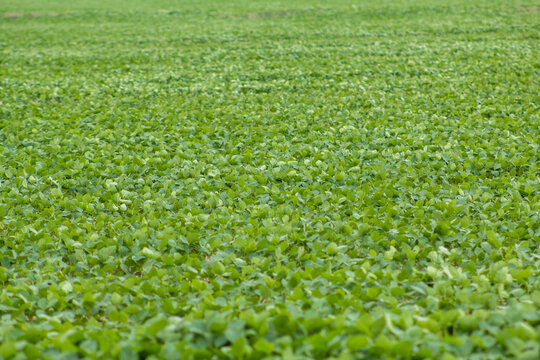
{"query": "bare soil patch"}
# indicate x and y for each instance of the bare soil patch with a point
(35, 14)
(532, 9)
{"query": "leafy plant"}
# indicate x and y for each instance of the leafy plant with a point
(269, 180)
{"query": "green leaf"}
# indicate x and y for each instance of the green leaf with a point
(263, 346)
(155, 325)
(357, 342)
(8, 349)
(332, 249)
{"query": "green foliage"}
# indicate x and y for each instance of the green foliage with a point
(249, 179)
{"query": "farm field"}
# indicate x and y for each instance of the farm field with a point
(270, 179)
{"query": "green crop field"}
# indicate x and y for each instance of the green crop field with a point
(270, 179)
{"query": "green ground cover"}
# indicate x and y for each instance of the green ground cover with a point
(293, 179)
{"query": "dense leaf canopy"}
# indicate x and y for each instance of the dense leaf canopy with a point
(291, 179)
